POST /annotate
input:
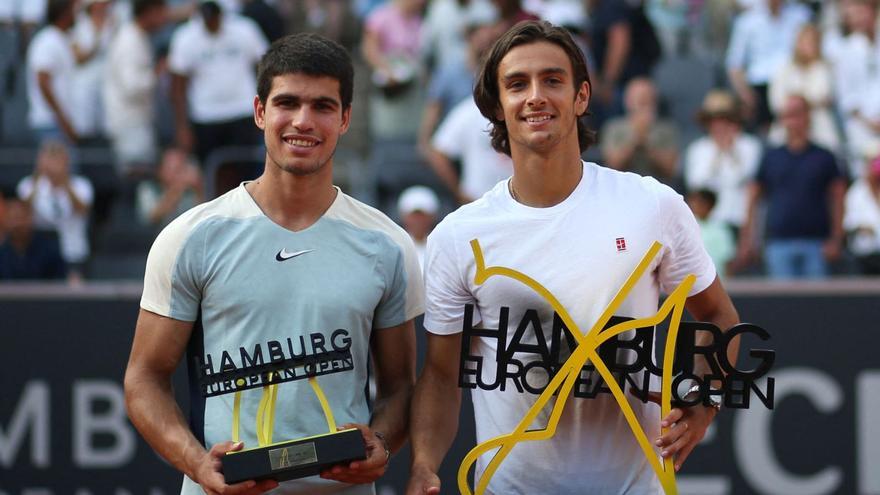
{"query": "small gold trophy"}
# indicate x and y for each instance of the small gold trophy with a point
(290, 459)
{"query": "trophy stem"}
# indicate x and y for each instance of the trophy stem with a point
(328, 413)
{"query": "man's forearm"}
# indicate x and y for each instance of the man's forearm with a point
(435, 410)
(391, 416)
(154, 412)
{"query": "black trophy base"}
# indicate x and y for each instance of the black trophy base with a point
(294, 459)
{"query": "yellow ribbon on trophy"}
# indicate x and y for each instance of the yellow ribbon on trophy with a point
(265, 417)
(586, 351)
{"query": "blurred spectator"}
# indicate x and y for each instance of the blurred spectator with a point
(444, 32)
(804, 189)
(716, 235)
(61, 203)
(511, 12)
(178, 188)
(669, 18)
(724, 160)
(464, 136)
(213, 60)
(858, 79)
(391, 48)
(640, 141)
(762, 41)
(454, 82)
(862, 219)
(624, 46)
(26, 254)
(339, 20)
(50, 66)
(2, 218)
(266, 16)
(91, 34)
(807, 75)
(418, 207)
(130, 88)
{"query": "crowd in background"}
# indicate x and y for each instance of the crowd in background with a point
(765, 114)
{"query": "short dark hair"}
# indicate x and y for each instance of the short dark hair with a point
(486, 93)
(56, 9)
(139, 7)
(309, 54)
(706, 195)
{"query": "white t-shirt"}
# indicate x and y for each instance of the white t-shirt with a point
(53, 210)
(726, 173)
(760, 43)
(130, 80)
(221, 67)
(862, 212)
(464, 135)
(50, 51)
(582, 250)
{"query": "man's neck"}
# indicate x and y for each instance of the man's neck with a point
(543, 181)
(797, 143)
(294, 202)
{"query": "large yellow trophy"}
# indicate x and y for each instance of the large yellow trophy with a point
(586, 351)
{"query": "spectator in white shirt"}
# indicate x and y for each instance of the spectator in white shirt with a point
(724, 160)
(130, 87)
(858, 82)
(91, 35)
(862, 219)
(61, 202)
(762, 40)
(808, 75)
(212, 60)
(50, 65)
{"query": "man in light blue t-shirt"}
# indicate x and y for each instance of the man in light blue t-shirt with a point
(283, 268)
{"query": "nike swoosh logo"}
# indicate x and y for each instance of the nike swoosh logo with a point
(283, 255)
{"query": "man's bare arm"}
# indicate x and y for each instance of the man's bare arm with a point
(393, 350)
(159, 343)
(435, 410)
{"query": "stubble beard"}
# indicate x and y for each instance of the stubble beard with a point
(301, 171)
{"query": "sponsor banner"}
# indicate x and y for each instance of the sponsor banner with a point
(63, 427)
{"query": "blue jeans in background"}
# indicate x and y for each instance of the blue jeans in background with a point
(795, 258)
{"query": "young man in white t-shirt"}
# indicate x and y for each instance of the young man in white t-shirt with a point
(580, 230)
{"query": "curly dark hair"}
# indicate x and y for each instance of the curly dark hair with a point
(310, 54)
(486, 92)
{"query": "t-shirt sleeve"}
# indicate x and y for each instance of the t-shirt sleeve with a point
(42, 55)
(173, 281)
(179, 55)
(450, 136)
(446, 290)
(683, 250)
(404, 294)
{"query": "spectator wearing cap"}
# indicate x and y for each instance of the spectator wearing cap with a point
(212, 60)
(724, 160)
(808, 75)
(862, 219)
(130, 89)
(50, 66)
(640, 141)
(418, 207)
(804, 189)
(762, 40)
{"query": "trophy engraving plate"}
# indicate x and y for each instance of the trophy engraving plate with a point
(295, 455)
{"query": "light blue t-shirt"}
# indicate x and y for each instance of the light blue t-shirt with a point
(259, 293)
